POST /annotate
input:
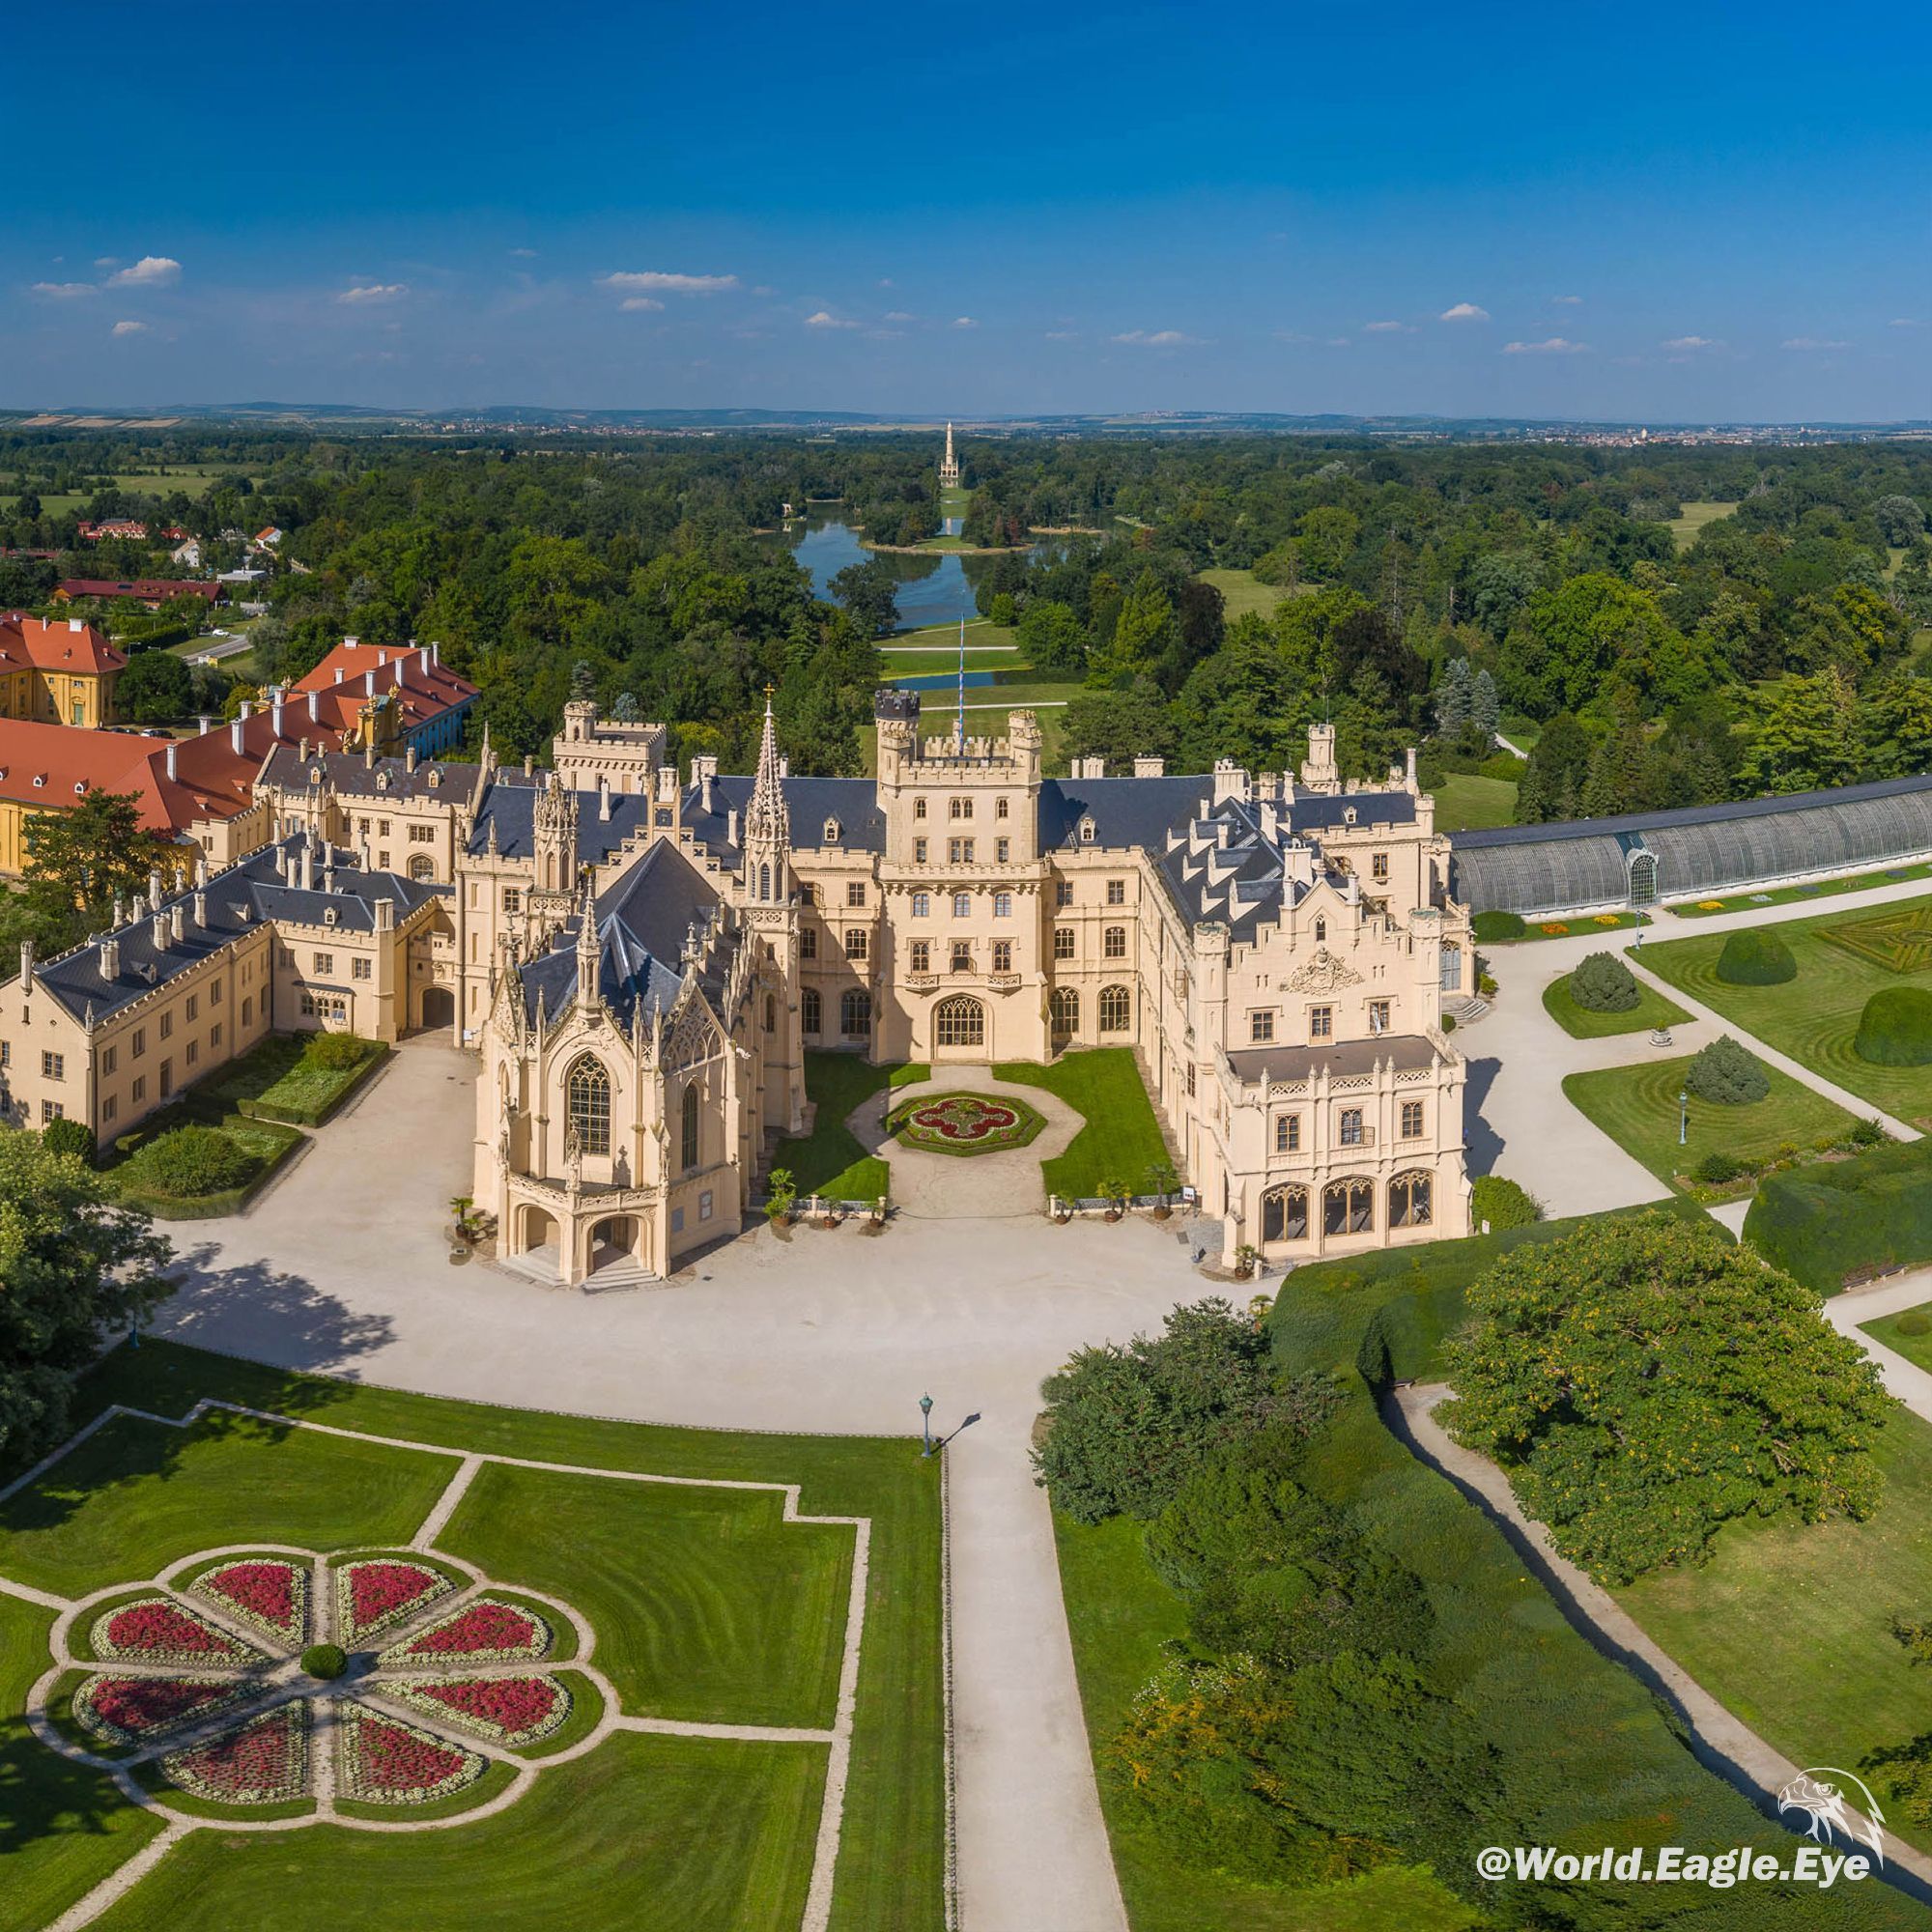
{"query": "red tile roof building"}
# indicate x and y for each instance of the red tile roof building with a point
(60, 673)
(153, 592)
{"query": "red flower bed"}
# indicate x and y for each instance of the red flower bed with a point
(373, 1594)
(390, 1763)
(485, 1631)
(273, 1595)
(263, 1763)
(965, 1120)
(156, 1630)
(512, 1710)
(126, 1708)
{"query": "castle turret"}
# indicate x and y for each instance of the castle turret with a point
(555, 837)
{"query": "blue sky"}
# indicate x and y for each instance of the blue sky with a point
(1708, 212)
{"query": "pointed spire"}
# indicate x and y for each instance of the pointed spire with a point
(766, 820)
(588, 949)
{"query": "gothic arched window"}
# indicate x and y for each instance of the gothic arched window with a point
(764, 882)
(809, 1011)
(855, 1013)
(1065, 1007)
(688, 1148)
(1117, 1008)
(587, 1100)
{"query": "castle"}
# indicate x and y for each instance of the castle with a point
(642, 965)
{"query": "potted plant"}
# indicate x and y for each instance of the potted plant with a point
(1116, 1194)
(1247, 1257)
(781, 1197)
(1162, 1179)
(1059, 1209)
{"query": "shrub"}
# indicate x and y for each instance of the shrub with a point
(1503, 1203)
(1727, 1074)
(1718, 1168)
(186, 1161)
(335, 1052)
(1756, 958)
(325, 1659)
(1604, 984)
(1867, 1134)
(1834, 1220)
(1895, 1028)
(1914, 1322)
(65, 1136)
(1489, 926)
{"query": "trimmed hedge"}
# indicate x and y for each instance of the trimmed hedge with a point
(1492, 927)
(1895, 1028)
(1756, 958)
(65, 1136)
(1727, 1074)
(1502, 1204)
(1837, 1221)
(1604, 984)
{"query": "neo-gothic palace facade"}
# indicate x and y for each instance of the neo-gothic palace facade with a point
(642, 964)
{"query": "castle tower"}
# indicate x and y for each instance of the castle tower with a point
(771, 913)
(948, 469)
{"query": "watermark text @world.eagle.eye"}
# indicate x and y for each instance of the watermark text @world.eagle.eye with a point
(1806, 1863)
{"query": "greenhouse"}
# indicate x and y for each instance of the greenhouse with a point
(1588, 865)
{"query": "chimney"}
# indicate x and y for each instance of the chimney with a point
(603, 796)
(207, 726)
(26, 963)
(386, 915)
(275, 712)
(1149, 768)
(177, 920)
(235, 733)
(530, 765)
(426, 659)
(161, 932)
(200, 869)
(1408, 776)
(75, 624)
(369, 684)
(382, 659)
(785, 764)
(308, 864)
(171, 759)
(201, 909)
(154, 887)
(110, 960)
(350, 643)
(409, 758)
(248, 707)
(120, 910)
(329, 868)
(315, 707)
(436, 654)
(731, 826)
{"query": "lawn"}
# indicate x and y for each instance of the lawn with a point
(1570, 929)
(1813, 1017)
(830, 1160)
(1788, 1623)
(1814, 889)
(1638, 1107)
(1242, 591)
(280, 1079)
(701, 1600)
(1652, 1011)
(1467, 802)
(932, 640)
(1915, 1348)
(1687, 526)
(1122, 1139)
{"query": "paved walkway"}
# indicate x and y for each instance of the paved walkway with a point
(342, 1268)
(1720, 1742)
(1895, 1292)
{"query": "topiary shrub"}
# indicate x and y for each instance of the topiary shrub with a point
(1727, 1074)
(324, 1661)
(65, 1136)
(1895, 1028)
(1502, 1204)
(1913, 1322)
(187, 1162)
(1716, 1168)
(1756, 958)
(1489, 926)
(335, 1052)
(1604, 984)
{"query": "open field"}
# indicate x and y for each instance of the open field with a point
(1467, 800)
(192, 479)
(1812, 889)
(1813, 1017)
(1242, 591)
(1638, 1107)
(1696, 516)
(706, 1606)
(1652, 1011)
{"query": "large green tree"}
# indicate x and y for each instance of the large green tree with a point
(76, 862)
(1645, 1381)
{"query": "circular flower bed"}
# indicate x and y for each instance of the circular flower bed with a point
(964, 1123)
(266, 1594)
(265, 1762)
(507, 1710)
(486, 1631)
(382, 1761)
(158, 1630)
(378, 1592)
(125, 1710)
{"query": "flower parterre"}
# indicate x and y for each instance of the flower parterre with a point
(264, 1762)
(508, 1710)
(128, 1710)
(266, 1594)
(158, 1631)
(383, 1761)
(486, 1631)
(378, 1592)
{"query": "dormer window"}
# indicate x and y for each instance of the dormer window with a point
(834, 831)
(435, 780)
(328, 915)
(381, 780)
(1349, 814)
(315, 775)
(1086, 830)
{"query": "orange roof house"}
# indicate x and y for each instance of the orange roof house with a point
(61, 673)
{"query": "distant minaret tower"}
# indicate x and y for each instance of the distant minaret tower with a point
(949, 471)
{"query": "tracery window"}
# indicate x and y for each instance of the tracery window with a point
(586, 1099)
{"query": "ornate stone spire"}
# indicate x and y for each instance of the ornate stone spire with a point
(589, 950)
(766, 820)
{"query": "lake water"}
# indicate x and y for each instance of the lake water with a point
(932, 589)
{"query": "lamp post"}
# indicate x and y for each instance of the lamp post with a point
(1683, 1116)
(926, 1424)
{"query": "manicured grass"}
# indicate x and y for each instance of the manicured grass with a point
(278, 1080)
(497, 1777)
(586, 1711)
(1686, 526)
(1651, 1009)
(704, 1836)
(1915, 1348)
(136, 1497)
(1812, 889)
(1788, 1623)
(1242, 591)
(707, 1607)
(642, 1831)
(1816, 1016)
(1121, 1138)
(938, 639)
(1638, 1107)
(830, 1160)
(1467, 802)
(1584, 925)
(63, 1829)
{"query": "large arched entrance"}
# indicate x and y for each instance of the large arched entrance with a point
(613, 1244)
(438, 1006)
(537, 1228)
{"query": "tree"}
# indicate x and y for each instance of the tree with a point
(868, 590)
(1486, 707)
(1118, 725)
(1453, 699)
(1896, 718)
(1643, 1381)
(1567, 641)
(1552, 780)
(1900, 520)
(1145, 632)
(156, 689)
(75, 1265)
(1050, 637)
(1804, 733)
(76, 862)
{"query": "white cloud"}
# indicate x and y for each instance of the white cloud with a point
(1387, 328)
(1063, 335)
(374, 291)
(899, 315)
(150, 272)
(1567, 302)
(524, 254)
(657, 281)
(1905, 321)
(645, 304)
(1159, 339)
(825, 319)
(964, 322)
(1338, 342)
(1813, 342)
(1684, 343)
(1464, 312)
(102, 261)
(63, 290)
(1554, 345)
(130, 329)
